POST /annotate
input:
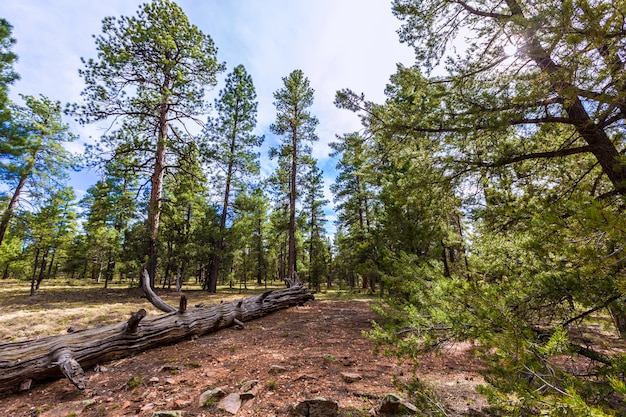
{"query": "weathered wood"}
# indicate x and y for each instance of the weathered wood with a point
(133, 322)
(68, 354)
(151, 295)
(182, 306)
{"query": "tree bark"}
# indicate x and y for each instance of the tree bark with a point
(6, 216)
(292, 278)
(32, 361)
(618, 314)
(154, 207)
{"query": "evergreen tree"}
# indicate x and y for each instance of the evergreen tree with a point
(7, 59)
(109, 207)
(185, 199)
(297, 125)
(151, 74)
(232, 146)
(313, 207)
(52, 230)
(34, 158)
(525, 147)
(355, 199)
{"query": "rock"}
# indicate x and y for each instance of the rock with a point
(147, 407)
(247, 396)
(231, 403)
(25, 385)
(392, 404)
(214, 395)
(350, 377)
(170, 369)
(180, 404)
(153, 380)
(252, 393)
(248, 385)
(73, 408)
(277, 369)
(316, 408)
(167, 414)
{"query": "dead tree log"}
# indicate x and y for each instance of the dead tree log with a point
(25, 363)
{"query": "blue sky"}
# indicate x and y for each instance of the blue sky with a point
(336, 43)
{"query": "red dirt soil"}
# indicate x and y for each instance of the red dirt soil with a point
(313, 344)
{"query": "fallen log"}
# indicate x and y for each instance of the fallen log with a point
(25, 363)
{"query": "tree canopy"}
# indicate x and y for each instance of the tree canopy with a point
(151, 74)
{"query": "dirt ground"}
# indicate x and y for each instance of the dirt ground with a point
(294, 354)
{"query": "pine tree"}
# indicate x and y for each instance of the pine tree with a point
(151, 74)
(313, 207)
(34, 157)
(232, 147)
(7, 59)
(296, 124)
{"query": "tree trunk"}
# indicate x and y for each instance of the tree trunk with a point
(50, 265)
(154, 207)
(291, 260)
(6, 216)
(33, 279)
(618, 313)
(593, 133)
(32, 361)
(260, 263)
(42, 269)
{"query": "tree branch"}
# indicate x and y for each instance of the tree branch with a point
(593, 310)
(535, 155)
(481, 13)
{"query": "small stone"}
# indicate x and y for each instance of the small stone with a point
(231, 403)
(350, 377)
(277, 369)
(147, 407)
(170, 381)
(180, 404)
(318, 407)
(167, 414)
(248, 385)
(393, 404)
(215, 394)
(154, 380)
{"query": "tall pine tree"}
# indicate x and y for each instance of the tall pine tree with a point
(232, 148)
(296, 124)
(151, 73)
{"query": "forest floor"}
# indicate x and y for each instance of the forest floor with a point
(296, 354)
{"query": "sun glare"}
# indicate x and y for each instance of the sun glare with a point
(510, 50)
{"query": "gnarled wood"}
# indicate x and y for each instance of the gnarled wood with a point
(156, 301)
(52, 357)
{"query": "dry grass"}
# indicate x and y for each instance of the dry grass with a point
(59, 305)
